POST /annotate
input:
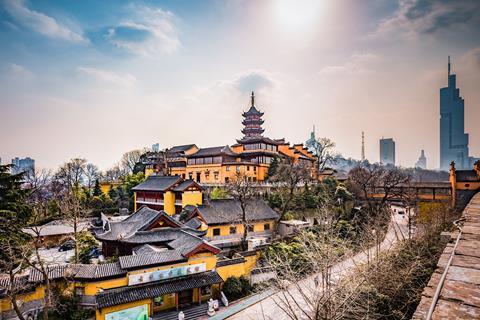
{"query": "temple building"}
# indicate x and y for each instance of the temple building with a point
(168, 193)
(465, 183)
(250, 156)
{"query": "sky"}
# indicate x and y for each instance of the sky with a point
(94, 79)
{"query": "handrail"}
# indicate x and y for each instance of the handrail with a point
(444, 274)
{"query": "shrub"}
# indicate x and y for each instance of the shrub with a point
(236, 288)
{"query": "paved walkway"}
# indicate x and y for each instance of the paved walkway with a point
(269, 308)
(460, 293)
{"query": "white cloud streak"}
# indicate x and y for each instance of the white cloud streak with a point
(19, 71)
(125, 80)
(41, 23)
(158, 24)
(359, 63)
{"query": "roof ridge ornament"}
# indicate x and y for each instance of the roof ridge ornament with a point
(253, 98)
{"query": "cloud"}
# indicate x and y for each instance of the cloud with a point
(150, 31)
(40, 22)
(126, 80)
(19, 72)
(471, 59)
(254, 81)
(359, 63)
(414, 17)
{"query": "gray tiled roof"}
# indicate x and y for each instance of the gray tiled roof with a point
(185, 184)
(123, 295)
(213, 151)
(228, 210)
(467, 176)
(138, 220)
(54, 272)
(158, 183)
(193, 223)
(99, 271)
(181, 148)
(150, 259)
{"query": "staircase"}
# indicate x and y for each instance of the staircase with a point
(191, 313)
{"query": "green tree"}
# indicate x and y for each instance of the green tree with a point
(14, 215)
(96, 189)
(218, 193)
(272, 169)
(131, 181)
(112, 193)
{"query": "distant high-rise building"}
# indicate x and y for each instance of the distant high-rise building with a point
(422, 161)
(363, 147)
(453, 139)
(387, 151)
(311, 143)
(22, 165)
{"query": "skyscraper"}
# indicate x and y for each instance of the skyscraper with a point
(422, 161)
(387, 151)
(22, 165)
(453, 139)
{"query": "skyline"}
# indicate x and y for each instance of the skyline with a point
(127, 76)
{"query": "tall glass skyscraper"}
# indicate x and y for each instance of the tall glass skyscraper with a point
(387, 151)
(453, 139)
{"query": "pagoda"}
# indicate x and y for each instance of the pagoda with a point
(253, 121)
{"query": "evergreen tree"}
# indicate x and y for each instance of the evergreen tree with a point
(272, 169)
(96, 189)
(112, 193)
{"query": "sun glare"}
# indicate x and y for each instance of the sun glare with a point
(297, 15)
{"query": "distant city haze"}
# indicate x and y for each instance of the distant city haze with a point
(97, 79)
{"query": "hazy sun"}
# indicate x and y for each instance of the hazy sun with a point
(297, 15)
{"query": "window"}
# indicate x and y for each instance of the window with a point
(215, 175)
(227, 179)
(227, 168)
(198, 176)
(205, 291)
(248, 168)
(158, 301)
(254, 169)
(266, 226)
(233, 230)
(80, 291)
(250, 228)
(238, 168)
(216, 232)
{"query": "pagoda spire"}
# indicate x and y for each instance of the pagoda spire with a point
(252, 121)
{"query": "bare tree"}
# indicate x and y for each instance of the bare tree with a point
(39, 183)
(242, 189)
(309, 282)
(74, 213)
(91, 175)
(375, 186)
(324, 150)
(130, 159)
(72, 173)
(37, 263)
(113, 174)
(287, 179)
(11, 263)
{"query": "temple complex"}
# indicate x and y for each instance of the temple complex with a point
(250, 155)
